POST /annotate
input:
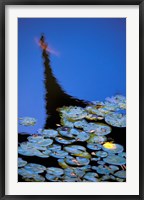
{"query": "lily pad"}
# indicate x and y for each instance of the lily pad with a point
(101, 169)
(27, 121)
(62, 163)
(91, 176)
(21, 162)
(75, 149)
(54, 171)
(54, 147)
(36, 168)
(34, 178)
(63, 140)
(94, 146)
(50, 133)
(97, 139)
(98, 128)
(116, 119)
(112, 148)
(65, 122)
(52, 178)
(80, 124)
(78, 161)
(59, 154)
(73, 113)
(35, 138)
(121, 174)
(115, 160)
(101, 154)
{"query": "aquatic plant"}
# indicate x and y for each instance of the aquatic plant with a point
(21, 162)
(27, 121)
(115, 160)
(116, 119)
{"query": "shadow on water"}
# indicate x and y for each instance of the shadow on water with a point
(56, 97)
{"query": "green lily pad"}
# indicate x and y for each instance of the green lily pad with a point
(21, 162)
(50, 133)
(52, 178)
(98, 128)
(54, 171)
(116, 119)
(101, 169)
(117, 148)
(65, 122)
(34, 178)
(122, 154)
(97, 139)
(121, 174)
(78, 161)
(54, 147)
(62, 163)
(80, 124)
(27, 121)
(36, 168)
(91, 176)
(74, 149)
(73, 113)
(78, 151)
(59, 154)
(63, 140)
(101, 154)
(115, 160)
(35, 138)
(94, 146)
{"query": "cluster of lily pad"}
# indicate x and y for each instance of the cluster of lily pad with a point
(93, 159)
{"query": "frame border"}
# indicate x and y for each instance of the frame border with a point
(3, 3)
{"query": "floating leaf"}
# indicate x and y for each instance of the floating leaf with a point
(97, 139)
(74, 149)
(21, 162)
(94, 146)
(36, 168)
(80, 124)
(112, 148)
(70, 179)
(63, 140)
(65, 122)
(101, 162)
(59, 154)
(102, 169)
(54, 147)
(52, 178)
(54, 171)
(121, 174)
(122, 154)
(115, 160)
(73, 113)
(101, 154)
(34, 178)
(116, 119)
(49, 133)
(62, 163)
(27, 121)
(91, 176)
(78, 161)
(35, 138)
(97, 128)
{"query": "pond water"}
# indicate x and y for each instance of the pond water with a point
(72, 127)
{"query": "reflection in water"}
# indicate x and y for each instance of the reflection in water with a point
(55, 96)
(79, 150)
